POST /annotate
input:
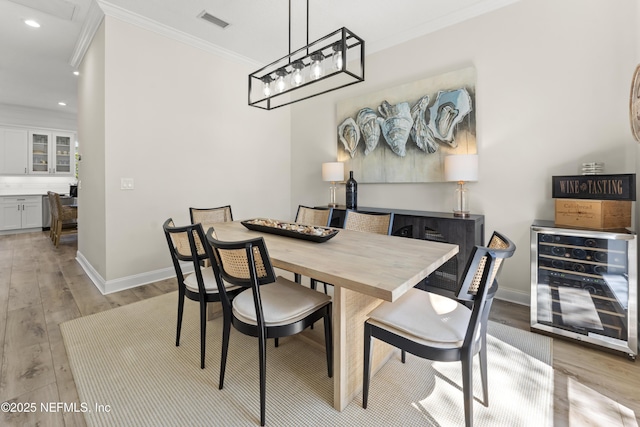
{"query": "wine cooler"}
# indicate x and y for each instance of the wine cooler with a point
(584, 285)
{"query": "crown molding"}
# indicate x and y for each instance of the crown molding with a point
(170, 32)
(92, 22)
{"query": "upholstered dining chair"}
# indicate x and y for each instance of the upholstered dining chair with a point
(269, 307)
(63, 218)
(438, 328)
(318, 216)
(187, 243)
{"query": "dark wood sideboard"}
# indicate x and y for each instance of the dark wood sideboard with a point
(435, 226)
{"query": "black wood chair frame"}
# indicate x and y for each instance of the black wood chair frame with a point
(479, 302)
(260, 330)
(202, 296)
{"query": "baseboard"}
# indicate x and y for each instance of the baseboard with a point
(20, 231)
(110, 286)
(516, 297)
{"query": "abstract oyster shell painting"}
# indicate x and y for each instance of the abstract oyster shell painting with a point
(349, 134)
(368, 122)
(420, 132)
(396, 125)
(446, 112)
(406, 131)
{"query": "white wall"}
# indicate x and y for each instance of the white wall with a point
(552, 92)
(91, 168)
(176, 120)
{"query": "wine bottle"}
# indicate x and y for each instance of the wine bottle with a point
(352, 192)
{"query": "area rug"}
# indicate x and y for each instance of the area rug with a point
(128, 372)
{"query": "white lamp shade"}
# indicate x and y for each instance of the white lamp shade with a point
(333, 171)
(461, 167)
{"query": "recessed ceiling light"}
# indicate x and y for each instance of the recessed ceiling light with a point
(76, 73)
(32, 23)
(63, 104)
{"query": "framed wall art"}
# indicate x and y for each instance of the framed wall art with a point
(402, 134)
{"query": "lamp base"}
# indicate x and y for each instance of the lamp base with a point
(461, 214)
(332, 195)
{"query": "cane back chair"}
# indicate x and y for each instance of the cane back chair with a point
(268, 307)
(438, 328)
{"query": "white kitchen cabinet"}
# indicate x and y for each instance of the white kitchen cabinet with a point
(19, 212)
(13, 151)
(51, 153)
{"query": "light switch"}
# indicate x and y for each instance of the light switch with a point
(126, 183)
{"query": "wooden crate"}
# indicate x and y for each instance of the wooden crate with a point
(596, 214)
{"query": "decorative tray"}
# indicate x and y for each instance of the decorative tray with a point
(290, 229)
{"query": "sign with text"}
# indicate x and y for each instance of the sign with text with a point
(595, 187)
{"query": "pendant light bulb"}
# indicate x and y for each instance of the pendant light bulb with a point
(316, 65)
(337, 56)
(297, 76)
(266, 86)
(281, 84)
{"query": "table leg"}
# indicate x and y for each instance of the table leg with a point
(350, 310)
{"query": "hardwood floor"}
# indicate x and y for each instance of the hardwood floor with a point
(41, 287)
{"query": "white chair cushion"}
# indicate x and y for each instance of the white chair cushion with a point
(210, 284)
(283, 302)
(424, 317)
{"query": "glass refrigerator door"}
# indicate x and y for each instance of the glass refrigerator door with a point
(583, 285)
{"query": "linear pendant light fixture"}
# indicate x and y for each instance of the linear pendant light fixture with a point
(332, 62)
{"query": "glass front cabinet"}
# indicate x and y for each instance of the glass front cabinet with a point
(51, 153)
(584, 285)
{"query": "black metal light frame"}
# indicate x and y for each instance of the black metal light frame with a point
(351, 72)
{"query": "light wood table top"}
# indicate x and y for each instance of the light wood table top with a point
(364, 269)
(381, 266)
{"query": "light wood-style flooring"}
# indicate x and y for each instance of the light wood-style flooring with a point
(41, 287)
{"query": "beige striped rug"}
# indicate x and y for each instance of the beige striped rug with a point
(126, 364)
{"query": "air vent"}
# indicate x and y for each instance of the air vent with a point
(213, 19)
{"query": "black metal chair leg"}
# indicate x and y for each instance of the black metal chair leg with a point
(403, 356)
(467, 388)
(180, 312)
(263, 375)
(276, 341)
(314, 283)
(366, 374)
(203, 331)
(226, 330)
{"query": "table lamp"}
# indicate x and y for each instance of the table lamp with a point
(461, 168)
(333, 171)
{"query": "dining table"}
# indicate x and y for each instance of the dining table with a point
(365, 270)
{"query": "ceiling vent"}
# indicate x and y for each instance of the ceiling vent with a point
(213, 19)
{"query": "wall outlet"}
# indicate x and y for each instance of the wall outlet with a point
(126, 183)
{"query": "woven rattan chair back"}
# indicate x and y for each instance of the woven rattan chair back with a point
(500, 248)
(379, 223)
(314, 216)
(237, 262)
(209, 216)
(178, 240)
